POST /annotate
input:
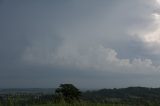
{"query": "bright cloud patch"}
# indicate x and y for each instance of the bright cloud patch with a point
(154, 35)
(150, 35)
(158, 1)
(97, 58)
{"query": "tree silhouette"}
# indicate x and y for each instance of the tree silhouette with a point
(68, 92)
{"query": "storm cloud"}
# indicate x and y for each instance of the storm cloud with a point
(88, 43)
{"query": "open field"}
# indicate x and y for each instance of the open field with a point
(80, 104)
(91, 104)
(132, 96)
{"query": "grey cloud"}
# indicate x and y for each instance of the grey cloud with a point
(84, 35)
(82, 42)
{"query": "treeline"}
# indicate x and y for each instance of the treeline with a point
(130, 95)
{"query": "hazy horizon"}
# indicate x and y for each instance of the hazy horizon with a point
(89, 43)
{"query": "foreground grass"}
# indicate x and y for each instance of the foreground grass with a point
(80, 104)
(83, 103)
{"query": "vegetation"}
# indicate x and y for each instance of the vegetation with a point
(69, 95)
(68, 92)
(82, 104)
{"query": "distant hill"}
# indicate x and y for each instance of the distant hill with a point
(130, 94)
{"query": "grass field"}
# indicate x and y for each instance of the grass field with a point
(94, 104)
(82, 104)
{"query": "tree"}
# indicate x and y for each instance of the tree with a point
(68, 92)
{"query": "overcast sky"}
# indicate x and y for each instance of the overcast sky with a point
(89, 43)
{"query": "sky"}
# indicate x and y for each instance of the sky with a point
(89, 43)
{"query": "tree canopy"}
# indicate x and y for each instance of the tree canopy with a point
(68, 92)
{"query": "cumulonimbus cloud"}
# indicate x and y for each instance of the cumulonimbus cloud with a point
(79, 52)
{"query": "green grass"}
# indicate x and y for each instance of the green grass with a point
(19, 102)
(79, 104)
(82, 103)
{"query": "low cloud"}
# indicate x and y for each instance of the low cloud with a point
(97, 58)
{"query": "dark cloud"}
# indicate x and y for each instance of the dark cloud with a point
(88, 43)
(1, 2)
